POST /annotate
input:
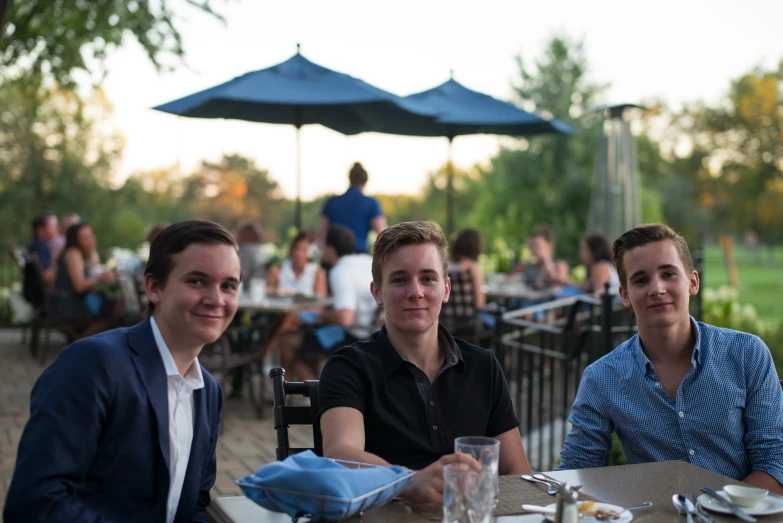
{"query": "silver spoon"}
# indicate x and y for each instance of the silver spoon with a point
(550, 489)
(683, 506)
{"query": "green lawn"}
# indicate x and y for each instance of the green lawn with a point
(760, 278)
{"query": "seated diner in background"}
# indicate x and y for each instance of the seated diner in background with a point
(679, 389)
(296, 275)
(350, 317)
(545, 272)
(77, 301)
(405, 394)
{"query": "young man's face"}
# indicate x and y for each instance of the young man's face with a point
(200, 296)
(49, 231)
(413, 288)
(658, 288)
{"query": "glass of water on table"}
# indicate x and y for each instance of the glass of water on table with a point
(487, 452)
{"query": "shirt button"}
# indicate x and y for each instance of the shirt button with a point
(682, 414)
(420, 380)
(432, 403)
(435, 427)
(691, 452)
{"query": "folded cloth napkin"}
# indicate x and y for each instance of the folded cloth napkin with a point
(307, 484)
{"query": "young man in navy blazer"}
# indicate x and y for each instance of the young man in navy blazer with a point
(123, 425)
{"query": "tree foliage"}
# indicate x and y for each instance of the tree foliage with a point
(61, 37)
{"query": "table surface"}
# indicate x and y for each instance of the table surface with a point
(624, 485)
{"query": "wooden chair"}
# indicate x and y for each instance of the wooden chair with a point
(285, 415)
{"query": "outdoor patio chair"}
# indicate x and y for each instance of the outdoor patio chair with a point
(285, 415)
(459, 315)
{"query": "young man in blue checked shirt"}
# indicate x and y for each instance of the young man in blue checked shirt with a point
(680, 389)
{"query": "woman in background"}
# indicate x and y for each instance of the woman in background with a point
(297, 274)
(82, 309)
(596, 253)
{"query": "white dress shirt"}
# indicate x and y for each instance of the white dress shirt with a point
(180, 401)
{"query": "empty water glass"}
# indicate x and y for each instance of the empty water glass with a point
(463, 500)
(487, 452)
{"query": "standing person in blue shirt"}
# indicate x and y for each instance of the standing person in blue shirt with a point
(353, 209)
(679, 389)
(44, 231)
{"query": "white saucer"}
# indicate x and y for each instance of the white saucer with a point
(772, 504)
(625, 515)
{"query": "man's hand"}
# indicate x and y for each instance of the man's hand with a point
(427, 486)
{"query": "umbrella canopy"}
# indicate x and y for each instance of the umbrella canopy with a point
(462, 111)
(299, 92)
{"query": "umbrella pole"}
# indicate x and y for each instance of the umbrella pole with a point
(298, 216)
(449, 191)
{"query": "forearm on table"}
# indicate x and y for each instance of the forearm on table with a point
(349, 453)
(761, 479)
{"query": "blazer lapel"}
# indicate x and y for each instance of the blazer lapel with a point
(150, 367)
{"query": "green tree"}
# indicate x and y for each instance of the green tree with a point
(61, 37)
(545, 179)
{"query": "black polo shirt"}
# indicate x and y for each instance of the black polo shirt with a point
(468, 398)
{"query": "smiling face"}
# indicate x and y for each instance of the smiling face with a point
(199, 297)
(658, 287)
(413, 290)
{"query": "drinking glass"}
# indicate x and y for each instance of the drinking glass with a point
(463, 499)
(487, 452)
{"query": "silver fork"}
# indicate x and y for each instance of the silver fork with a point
(553, 484)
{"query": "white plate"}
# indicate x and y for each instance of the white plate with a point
(772, 504)
(625, 515)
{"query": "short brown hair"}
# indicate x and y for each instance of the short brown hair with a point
(174, 239)
(402, 234)
(644, 234)
(357, 175)
(249, 231)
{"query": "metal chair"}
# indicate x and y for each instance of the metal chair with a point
(285, 415)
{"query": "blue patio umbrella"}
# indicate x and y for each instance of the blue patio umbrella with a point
(462, 111)
(299, 92)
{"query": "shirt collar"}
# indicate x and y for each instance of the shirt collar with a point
(192, 375)
(392, 360)
(646, 365)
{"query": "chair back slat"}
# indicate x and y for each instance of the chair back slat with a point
(285, 415)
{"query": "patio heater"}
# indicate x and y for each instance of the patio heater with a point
(615, 206)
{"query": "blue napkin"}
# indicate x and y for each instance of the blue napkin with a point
(308, 317)
(329, 335)
(305, 475)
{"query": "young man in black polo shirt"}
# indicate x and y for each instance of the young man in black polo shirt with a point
(406, 393)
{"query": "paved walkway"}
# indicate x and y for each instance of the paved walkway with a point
(245, 442)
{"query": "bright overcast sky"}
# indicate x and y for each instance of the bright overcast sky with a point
(679, 50)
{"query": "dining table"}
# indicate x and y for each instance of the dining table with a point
(624, 486)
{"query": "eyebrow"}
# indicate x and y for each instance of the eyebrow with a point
(660, 268)
(404, 272)
(202, 274)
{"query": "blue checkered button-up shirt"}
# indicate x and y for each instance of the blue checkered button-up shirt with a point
(727, 416)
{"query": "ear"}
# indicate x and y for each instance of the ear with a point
(152, 289)
(448, 290)
(624, 297)
(693, 284)
(376, 293)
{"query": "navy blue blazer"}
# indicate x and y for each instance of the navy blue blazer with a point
(96, 447)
